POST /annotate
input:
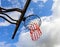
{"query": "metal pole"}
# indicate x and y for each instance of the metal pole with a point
(21, 17)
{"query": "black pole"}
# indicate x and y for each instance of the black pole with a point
(9, 10)
(21, 17)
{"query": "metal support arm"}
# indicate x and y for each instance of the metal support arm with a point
(9, 10)
(8, 17)
(7, 20)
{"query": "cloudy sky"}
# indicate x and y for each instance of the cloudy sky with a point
(47, 10)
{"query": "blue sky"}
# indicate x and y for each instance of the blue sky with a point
(42, 8)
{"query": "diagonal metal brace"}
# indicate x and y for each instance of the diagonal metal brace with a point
(21, 17)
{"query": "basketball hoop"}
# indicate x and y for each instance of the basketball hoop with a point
(33, 23)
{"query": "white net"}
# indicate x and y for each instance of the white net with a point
(33, 24)
(31, 20)
(34, 21)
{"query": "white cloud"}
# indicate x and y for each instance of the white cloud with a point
(3, 44)
(57, 46)
(15, 15)
(50, 31)
(5, 23)
(56, 9)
